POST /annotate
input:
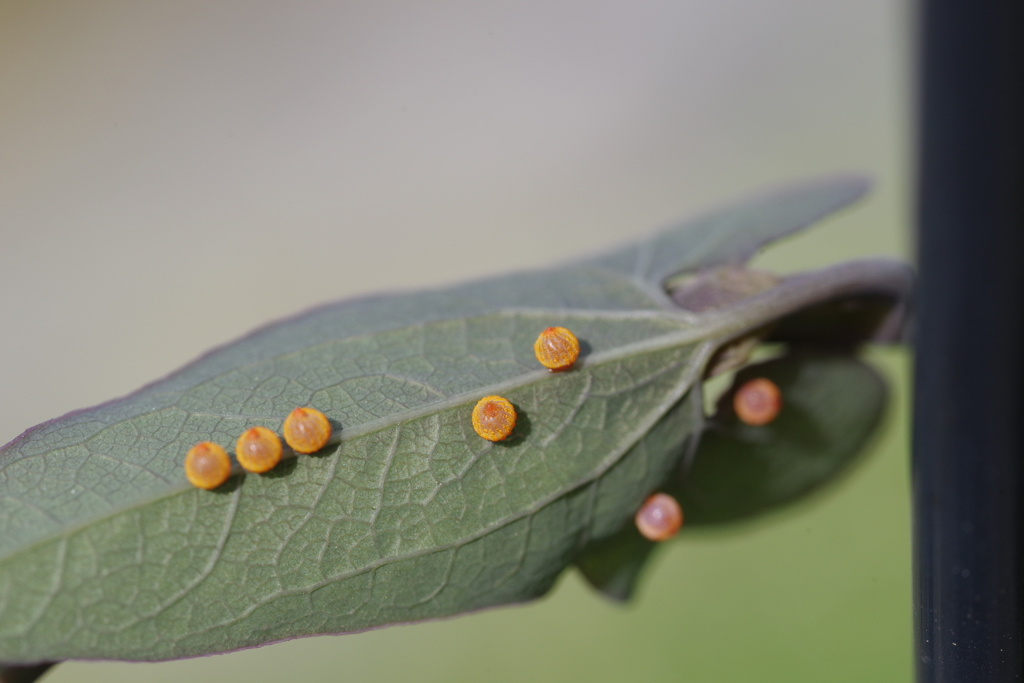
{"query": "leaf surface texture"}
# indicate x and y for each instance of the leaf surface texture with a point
(107, 552)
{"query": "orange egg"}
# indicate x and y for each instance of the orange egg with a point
(207, 465)
(757, 402)
(557, 348)
(659, 518)
(306, 430)
(258, 450)
(494, 418)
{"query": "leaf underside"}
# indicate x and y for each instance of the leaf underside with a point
(106, 552)
(832, 404)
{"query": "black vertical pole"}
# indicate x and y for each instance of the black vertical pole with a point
(969, 378)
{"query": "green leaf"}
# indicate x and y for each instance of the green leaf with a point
(832, 403)
(613, 564)
(107, 552)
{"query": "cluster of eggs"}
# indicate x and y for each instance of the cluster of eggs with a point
(307, 430)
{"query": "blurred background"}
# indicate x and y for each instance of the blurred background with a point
(175, 174)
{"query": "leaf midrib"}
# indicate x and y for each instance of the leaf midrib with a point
(654, 344)
(695, 363)
(714, 326)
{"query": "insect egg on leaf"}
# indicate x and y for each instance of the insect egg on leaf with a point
(258, 450)
(207, 465)
(757, 402)
(306, 430)
(557, 348)
(494, 418)
(659, 518)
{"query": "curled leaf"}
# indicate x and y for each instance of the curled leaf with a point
(106, 550)
(832, 404)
